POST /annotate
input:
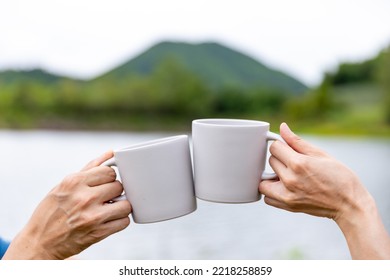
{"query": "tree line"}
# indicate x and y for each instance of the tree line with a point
(173, 92)
(170, 91)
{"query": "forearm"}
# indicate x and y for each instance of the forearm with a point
(365, 233)
(25, 247)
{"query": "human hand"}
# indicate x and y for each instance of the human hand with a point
(74, 215)
(313, 182)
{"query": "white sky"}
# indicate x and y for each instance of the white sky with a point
(84, 38)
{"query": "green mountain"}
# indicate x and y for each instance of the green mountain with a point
(34, 75)
(216, 65)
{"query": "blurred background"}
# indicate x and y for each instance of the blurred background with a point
(80, 77)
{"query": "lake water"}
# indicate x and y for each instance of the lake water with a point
(32, 162)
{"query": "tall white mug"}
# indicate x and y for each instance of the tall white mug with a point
(157, 178)
(229, 157)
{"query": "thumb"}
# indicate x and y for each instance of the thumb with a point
(297, 143)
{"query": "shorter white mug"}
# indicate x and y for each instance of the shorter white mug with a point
(229, 158)
(157, 178)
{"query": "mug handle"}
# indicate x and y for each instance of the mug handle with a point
(271, 137)
(111, 162)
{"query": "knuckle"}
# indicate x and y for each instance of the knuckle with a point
(125, 208)
(290, 199)
(274, 147)
(110, 172)
(128, 209)
(289, 181)
(262, 185)
(118, 186)
(267, 200)
(105, 172)
(89, 219)
(298, 164)
(295, 201)
(72, 180)
(68, 180)
(91, 198)
(84, 220)
(272, 160)
(83, 200)
(126, 222)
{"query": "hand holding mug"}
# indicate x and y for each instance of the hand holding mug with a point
(74, 215)
(313, 182)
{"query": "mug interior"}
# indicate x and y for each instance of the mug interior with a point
(151, 143)
(230, 122)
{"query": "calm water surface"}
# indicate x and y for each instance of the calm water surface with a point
(32, 162)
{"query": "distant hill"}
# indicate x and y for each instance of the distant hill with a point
(215, 64)
(35, 75)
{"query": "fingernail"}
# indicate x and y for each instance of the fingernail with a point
(285, 125)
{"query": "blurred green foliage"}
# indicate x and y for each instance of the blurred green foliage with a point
(355, 98)
(383, 77)
(170, 94)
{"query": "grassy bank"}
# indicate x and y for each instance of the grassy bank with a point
(357, 123)
(358, 111)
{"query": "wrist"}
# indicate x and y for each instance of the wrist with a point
(363, 229)
(26, 246)
(356, 213)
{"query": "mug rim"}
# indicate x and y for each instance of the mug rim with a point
(151, 143)
(221, 122)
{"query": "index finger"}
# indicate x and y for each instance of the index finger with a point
(297, 143)
(98, 161)
(283, 152)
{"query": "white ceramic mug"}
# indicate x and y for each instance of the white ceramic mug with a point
(229, 157)
(157, 178)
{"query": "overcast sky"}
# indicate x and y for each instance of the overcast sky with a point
(84, 38)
